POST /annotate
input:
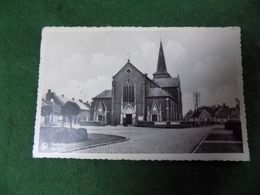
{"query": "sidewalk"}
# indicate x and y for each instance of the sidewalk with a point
(219, 140)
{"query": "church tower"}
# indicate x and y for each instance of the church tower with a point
(161, 71)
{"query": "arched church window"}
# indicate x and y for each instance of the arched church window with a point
(128, 91)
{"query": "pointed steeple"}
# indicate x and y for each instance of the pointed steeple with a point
(161, 71)
(161, 65)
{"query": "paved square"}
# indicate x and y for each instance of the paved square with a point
(149, 140)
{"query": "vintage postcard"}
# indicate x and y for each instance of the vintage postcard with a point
(140, 93)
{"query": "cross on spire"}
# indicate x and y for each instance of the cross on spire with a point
(128, 56)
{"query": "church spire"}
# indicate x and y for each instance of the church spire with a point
(161, 71)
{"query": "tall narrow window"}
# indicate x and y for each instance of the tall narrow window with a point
(128, 92)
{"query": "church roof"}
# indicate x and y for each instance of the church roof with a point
(104, 94)
(157, 92)
(167, 82)
(144, 74)
(161, 71)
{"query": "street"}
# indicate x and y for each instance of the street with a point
(149, 140)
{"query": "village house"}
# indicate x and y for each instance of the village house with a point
(226, 113)
(44, 113)
(188, 116)
(213, 114)
(203, 115)
(56, 102)
(84, 114)
(50, 113)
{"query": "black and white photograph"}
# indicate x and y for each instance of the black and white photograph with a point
(141, 93)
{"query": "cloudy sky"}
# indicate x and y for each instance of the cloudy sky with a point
(80, 62)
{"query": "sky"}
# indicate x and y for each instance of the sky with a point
(80, 62)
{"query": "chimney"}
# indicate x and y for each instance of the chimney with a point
(80, 100)
(49, 95)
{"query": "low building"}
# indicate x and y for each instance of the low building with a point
(101, 107)
(213, 114)
(203, 115)
(226, 113)
(188, 116)
(234, 114)
(84, 114)
(50, 113)
(56, 102)
(44, 115)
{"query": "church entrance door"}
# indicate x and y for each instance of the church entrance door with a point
(154, 117)
(128, 119)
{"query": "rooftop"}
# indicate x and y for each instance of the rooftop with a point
(157, 92)
(81, 105)
(104, 94)
(167, 82)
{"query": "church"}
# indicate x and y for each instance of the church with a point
(135, 97)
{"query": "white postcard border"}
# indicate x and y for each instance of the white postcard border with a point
(172, 156)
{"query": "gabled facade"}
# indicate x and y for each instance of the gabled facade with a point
(226, 113)
(50, 113)
(84, 114)
(202, 115)
(188, 116)
(56, 102)
(135, 97)
(101, 107)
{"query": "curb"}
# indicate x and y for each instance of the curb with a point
(199, 144)
(94, 145)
